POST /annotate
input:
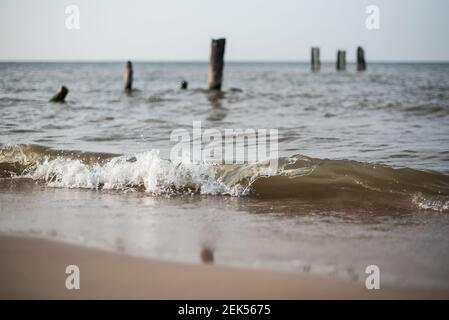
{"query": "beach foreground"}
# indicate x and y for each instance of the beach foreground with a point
(35, 269)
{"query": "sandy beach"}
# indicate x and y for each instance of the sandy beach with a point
(35, 269)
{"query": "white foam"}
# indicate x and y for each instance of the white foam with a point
(146, 169)
(427, 203)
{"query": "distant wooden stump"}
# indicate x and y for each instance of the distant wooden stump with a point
(183, 85)
(128, 77)
(315, 59)
(60, 95)
(341, 60)
(361, 63)
(216, 63)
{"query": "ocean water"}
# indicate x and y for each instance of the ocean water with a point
(363, 175)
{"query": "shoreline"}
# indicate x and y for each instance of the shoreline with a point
(33, 268)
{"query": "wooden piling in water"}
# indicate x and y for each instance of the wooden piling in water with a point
(361, 63)
(60, 95)
(128, 77)
(341, 60)
(216, 63)
(183, 85)
(315, 59)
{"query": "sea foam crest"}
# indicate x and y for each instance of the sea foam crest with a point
(143, 170)
(432, 203)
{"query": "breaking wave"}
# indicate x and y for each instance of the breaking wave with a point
(296, 176)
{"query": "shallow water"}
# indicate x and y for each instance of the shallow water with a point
(396, 114)
(363, 176)
(409, 246)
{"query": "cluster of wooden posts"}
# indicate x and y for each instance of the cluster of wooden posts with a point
(216, 64)
(341, 59)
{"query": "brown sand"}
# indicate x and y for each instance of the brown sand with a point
(33, 268)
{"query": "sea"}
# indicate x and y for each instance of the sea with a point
(361, 175)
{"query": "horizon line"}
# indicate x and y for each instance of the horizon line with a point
(206, 61)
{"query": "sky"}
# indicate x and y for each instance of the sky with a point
(256, 30)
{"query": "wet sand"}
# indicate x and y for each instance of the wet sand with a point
(35, 269)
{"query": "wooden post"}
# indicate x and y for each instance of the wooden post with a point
(183, 85)
(341, 60)
(216, 64)
(60, 95)
(128, 77)
(315, 59)
(361, 63)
